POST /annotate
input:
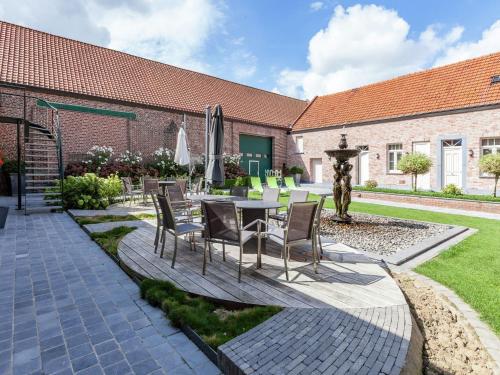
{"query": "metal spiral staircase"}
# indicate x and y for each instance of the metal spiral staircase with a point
(39, 146)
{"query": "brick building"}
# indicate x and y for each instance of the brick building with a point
(451, 113)
(111, 98)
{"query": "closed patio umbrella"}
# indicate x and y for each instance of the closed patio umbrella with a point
(181, 150)
(215, 170)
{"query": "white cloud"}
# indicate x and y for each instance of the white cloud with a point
(489, 43)
(365, 44)
(171, 31)
(316, 5)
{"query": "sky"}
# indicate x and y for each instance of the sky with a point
(293, 47)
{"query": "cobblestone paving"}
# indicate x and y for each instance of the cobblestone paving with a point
(323, 341)
(66, 308)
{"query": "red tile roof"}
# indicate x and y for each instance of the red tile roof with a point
(456, 86)
(37, 59)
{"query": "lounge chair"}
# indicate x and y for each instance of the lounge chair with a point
(256, 183)
(272, 182)
(290, 183)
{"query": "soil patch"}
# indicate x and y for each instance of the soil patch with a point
(450, 344)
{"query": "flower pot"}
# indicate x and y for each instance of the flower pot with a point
(3, 216)
(296, 178)
(13, 184)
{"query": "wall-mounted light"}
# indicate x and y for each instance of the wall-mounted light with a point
(471, 153)
(377, 156)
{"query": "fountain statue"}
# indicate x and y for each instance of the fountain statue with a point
(342, 186)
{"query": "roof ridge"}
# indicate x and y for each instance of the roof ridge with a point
(150, 60)
(446, 66)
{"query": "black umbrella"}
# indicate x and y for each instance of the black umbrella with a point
(215, 168)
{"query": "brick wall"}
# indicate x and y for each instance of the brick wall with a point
(473, 126)
(153, 128)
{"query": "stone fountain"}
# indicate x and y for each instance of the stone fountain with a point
(342, 186)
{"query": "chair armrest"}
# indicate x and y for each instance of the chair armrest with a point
(256, 221)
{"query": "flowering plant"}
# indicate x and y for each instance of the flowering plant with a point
(98, 156)
(163, 161)
(232, 168)
(231, 159)
(130, 158)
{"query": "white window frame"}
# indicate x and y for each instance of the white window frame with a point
(492, 144)
(396, 154)
(299, 141)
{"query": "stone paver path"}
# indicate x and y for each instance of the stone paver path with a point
(67, 308)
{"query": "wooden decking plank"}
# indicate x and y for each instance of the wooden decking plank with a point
(194, 279)
(228, 269)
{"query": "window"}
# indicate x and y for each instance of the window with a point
(489, 146)
(394, 155)
(363, 148)
(300, 144)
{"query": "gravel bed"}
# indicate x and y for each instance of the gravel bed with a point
(378, 234)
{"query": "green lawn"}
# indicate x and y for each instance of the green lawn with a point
(84, 220)
(109, 240)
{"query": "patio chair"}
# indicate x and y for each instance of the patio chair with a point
(317, 224)
(272, 182)
(178, 201)
(149, 185)
(182, 183)
(239, 191)
(129, 190)
(290, 183)
(175, 228)
(299, 229)
(271, 195)
(221, 226)
(197, 187)
(256, 183)
(295, 197)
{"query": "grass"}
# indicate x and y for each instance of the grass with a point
(84, 220)
(438, 194)
(211, 322)
(109, 240)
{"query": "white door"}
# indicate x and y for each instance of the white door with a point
(452, 162)
(423, 180)
(317, 170)
(364, 167)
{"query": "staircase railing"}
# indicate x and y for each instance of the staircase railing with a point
(17, 106)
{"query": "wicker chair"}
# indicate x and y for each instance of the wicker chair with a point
(299, 229)
(175, 227)
(239, 191)
(295, 197)
(221, 226)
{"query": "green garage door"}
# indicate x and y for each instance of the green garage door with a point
(257, 154)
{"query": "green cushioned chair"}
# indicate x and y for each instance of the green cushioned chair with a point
(256, 184)
(272, 182)
(290, 183)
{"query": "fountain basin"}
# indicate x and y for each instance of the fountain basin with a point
(342, 154)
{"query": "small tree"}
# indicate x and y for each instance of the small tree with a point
(415, 164)
(491, 164)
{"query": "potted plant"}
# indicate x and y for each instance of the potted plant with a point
(296, 172)
(10, 167)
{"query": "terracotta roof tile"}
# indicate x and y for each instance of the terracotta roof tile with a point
(34, 58)
(456, 86)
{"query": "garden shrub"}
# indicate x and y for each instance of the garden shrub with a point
(163, 162)
(296, 170)
(491, 164)
(415, 164)
(97, 157)
(371, 184)
(232, 168)
(452, 189)
(130, 158)
(90, 191)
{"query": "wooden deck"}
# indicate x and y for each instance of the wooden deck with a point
(346, 279)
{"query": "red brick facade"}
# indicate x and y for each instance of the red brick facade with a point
(471, 126)
(152, 129)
